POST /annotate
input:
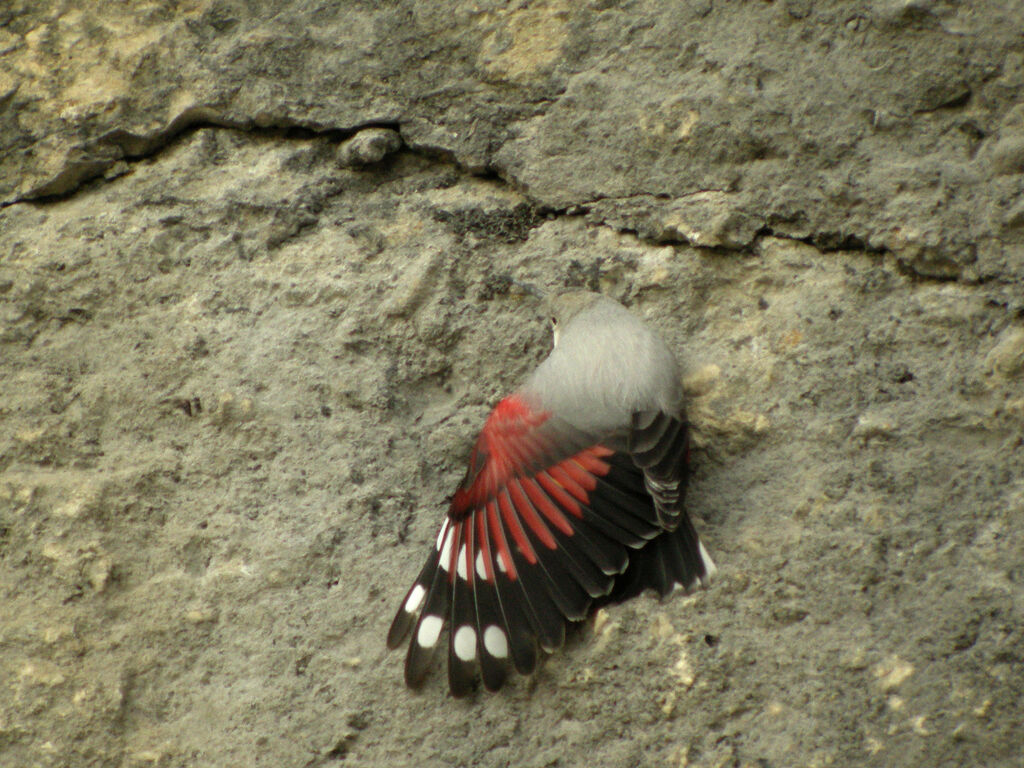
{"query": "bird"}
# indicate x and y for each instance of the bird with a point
(573, 497)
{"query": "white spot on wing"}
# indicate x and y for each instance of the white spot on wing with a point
(465, 643)
(460, 564)
(480, 570)
(446, 550)
(430, 630)
(501, 563)
(415, 599)
(495, 641)
(709, 564)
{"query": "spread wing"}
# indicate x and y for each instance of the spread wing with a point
(541, 526)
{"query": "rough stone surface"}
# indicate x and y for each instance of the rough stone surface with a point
(370, 145)
(240, 370)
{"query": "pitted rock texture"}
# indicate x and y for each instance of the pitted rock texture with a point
(245, 347)
(888, 125)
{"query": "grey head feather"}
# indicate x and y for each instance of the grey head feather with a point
(606, 365)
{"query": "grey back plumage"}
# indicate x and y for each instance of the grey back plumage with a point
(607, 364)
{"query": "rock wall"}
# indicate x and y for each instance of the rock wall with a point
(255, 285)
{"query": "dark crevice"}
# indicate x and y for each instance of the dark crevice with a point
(825, 242)
(907, 269)
(490, 173)
(119, 145)
(957, 101)
(831, 242)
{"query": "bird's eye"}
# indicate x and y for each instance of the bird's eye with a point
(554, 321)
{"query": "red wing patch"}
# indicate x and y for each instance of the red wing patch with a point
(523, 471)
(508, 443)
(537, 530)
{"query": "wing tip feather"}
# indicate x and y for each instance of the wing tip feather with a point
(710, 569)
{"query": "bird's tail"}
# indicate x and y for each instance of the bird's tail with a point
(673, 560)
